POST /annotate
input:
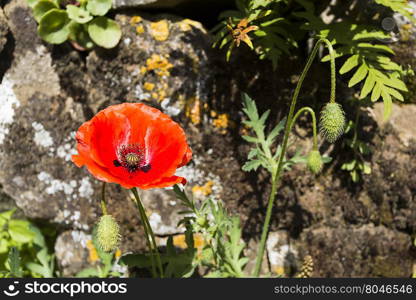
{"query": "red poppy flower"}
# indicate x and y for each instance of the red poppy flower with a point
(134, 145)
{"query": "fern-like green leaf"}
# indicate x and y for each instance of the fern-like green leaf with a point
(14, 262)
(367, 57)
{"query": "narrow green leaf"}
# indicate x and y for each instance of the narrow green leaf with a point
(349, 64)
(251, 165)
(388, 104)
(396, 94)
(376, 92)
(14, 262)
(396, 83)
(368, 85)
(359, 75)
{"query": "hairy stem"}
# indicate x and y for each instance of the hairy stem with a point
(103, 201)
(315, 132)
(276, 176)
(150, 237)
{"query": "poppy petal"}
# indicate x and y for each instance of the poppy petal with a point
(164, 182)
(96, 170)
(153, 140)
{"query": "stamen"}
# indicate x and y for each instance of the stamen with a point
(132, 158)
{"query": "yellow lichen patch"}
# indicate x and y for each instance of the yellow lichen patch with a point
(140, 29)
(117, 254)
(221, 122)
(180, 242)
(279, 270)
(161, 96)
(160, 30)
(204, 190)
(92, 252)
(187, 24)
(406, 32)
(159, 64)
(193, 110)
(135, 20)
(148, 86)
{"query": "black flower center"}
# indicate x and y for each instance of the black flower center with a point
(132, 158)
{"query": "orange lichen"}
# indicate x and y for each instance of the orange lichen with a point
(149, 86)
(160, 30)
(204, 190)
(193, 110)
(159, 64)
(92, 252)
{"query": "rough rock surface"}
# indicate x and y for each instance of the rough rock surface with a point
(4, 29)
(48, 91)
(71, 249)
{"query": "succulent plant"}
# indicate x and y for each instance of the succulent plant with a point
(80, 21)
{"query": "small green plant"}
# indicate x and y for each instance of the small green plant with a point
(176, 263)
(357, 165)
(332, 125)
(82, 22)
(271, 32)
(262, 153)
(272, 28)
(23, 244)
(366, 51)
(223, 246)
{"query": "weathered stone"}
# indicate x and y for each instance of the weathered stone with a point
(399, 120)
(168, 62)
(72, 254)
(369, 250)
(4, 29)
(282, 254)
(48, 92)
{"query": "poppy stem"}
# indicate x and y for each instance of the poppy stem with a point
(276, 176)
(103, 201)
(148, 231)
(315, 131)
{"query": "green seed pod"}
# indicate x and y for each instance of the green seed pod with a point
(108, 233)
(332, 122)
(315, 162)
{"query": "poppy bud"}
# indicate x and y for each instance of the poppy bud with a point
(315, 162)
(108, 233)
(332, 122)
